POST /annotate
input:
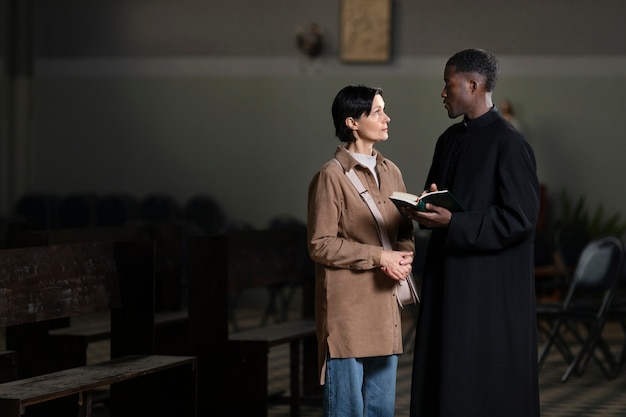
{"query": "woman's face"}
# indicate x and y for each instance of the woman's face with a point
(373, 127)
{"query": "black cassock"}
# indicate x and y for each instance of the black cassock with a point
(476, 342)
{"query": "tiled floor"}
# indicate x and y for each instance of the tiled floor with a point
(590, 395)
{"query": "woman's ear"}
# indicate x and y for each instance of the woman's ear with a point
(352, 123)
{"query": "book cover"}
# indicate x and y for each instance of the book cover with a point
(442, 198)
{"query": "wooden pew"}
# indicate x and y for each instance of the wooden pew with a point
(8, 366)
(170, 317)
(40, 284)
(237, 363)
(168, 246)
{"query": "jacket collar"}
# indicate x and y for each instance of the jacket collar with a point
(348, 162)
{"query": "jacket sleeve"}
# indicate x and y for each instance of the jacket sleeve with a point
(328, 226)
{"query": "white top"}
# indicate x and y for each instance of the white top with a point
(369, 161)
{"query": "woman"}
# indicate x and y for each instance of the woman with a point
(357, 315)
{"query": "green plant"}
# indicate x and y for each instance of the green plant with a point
(597, 223)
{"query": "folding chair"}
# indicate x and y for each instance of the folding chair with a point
(617, 313)
(583, 312)
(568, 244)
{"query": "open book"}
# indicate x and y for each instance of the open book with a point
(443, 198)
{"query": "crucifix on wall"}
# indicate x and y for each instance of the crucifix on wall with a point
(365, 32)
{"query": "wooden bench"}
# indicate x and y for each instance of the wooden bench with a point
(8, 366)
(170, 318)
(73, 342)
(168, 239)
(237, 363)
(40, 284)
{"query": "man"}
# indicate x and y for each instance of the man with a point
(476, 343)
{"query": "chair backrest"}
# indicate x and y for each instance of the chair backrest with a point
(569, 244)
(77, 210)
(598, 271)
(159, 208)
(116, 210)
(38, 210)
(205, 214)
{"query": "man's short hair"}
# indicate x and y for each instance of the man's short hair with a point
(479, 61)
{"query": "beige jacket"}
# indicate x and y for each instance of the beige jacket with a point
(356, 311)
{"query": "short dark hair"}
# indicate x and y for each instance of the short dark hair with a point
(352, 101)
(479, 61)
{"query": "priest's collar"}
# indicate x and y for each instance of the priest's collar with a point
(483, 120)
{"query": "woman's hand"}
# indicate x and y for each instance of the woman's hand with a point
(396, 264)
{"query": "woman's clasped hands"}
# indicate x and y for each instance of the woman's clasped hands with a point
(396, 264)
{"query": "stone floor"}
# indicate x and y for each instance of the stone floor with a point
(589, 395)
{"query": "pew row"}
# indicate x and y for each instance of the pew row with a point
(236, 363)
(41, 284)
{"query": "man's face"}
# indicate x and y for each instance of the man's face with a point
(457, 92)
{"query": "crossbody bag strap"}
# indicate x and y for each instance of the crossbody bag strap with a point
(381, 228)
(367, 197)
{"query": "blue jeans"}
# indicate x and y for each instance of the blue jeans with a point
(360, 387)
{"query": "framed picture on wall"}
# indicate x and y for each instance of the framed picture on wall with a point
(365, 32)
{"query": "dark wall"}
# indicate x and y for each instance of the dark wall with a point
(188, 97)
